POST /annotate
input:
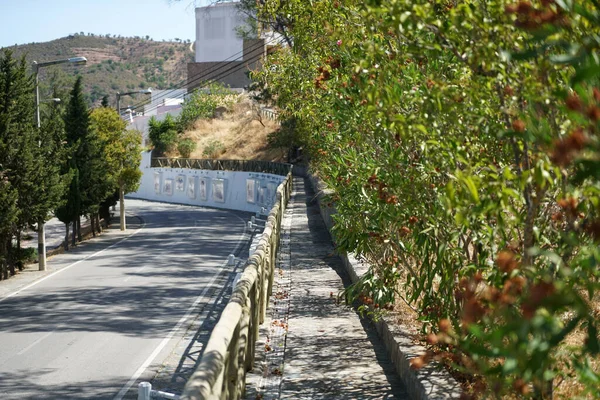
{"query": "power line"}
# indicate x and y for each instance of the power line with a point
(201, 77)
(210, 72)
(222, 75)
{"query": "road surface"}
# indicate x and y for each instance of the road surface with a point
(117, 307)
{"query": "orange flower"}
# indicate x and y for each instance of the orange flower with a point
(518, 125)
(506, 261)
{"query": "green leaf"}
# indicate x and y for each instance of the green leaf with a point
(510, 365)
(472, 188)
(585, 73)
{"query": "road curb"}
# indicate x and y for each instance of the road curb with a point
(431, 382)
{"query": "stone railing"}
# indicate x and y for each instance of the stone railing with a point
(229, 353)
(269, 114)
(223, 165)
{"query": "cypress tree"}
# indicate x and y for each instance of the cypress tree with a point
(17, 147)
(77, 126)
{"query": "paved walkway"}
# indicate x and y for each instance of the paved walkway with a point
(313, 348)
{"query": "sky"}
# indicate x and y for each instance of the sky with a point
(26, 21)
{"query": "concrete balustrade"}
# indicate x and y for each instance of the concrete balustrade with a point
(230, 351)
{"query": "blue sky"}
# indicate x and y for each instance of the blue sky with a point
(26, 21)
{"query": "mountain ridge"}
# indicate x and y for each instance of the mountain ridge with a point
(115, 63)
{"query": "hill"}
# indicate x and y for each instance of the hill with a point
(114, 63)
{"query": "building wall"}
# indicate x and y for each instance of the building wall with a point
(216, 38)
(231, 73)
(243, 191)
(164, 97)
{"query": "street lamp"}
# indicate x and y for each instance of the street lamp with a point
(36, 71)
(119, 95)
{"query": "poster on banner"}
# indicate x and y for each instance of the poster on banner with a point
(168, 187)
(191, 188)
(157, 177)
(203, 189)
(262, 192)
(180, 183)
(250, 190)
(219, 190)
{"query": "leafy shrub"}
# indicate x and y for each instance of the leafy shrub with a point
(202, 104)
(213, 149)
(461, 142)
(186, 147)
(163, 134)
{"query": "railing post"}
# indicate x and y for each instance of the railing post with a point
(232, 371)
(144, 390)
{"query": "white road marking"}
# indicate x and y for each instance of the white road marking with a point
(189, 311)
(71, 265)
(34, 343)
(164, 342)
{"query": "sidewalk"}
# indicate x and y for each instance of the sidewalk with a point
(313, 348)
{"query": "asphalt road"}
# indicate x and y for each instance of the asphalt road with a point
(117, 307)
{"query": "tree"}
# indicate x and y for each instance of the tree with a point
(17, 146)
(162, 134)
(70, 207)
(80, 148)
(122, 154)
(464, 171)
(104, 101)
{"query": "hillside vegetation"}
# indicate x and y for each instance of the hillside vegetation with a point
(217, 125)
(114, 63)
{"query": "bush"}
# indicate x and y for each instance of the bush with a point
(461, 142)
(162, 134)
(202, 104)
(213, 149)
(186, 147)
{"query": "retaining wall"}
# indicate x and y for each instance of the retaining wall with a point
(232, 190)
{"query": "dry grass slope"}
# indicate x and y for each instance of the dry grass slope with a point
(241, 132)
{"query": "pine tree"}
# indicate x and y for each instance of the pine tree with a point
(49, 180)
(17, 145)
(70, 208)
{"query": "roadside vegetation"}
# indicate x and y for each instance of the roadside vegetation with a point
(74, 165)
(461, 144)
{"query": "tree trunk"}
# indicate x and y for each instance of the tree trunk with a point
(41, 245)
(66, 236)
(79, 237)
(3, 258)
(98, 223)
(122, 206)
(74, 238)
(91, 217)
(11, 257)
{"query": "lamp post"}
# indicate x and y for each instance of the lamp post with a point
(36, 71)
(121, 188)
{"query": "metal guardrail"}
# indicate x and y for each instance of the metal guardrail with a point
(230, 351)
(267, 167)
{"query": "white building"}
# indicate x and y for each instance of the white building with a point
(162, 98)
(216, 34)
